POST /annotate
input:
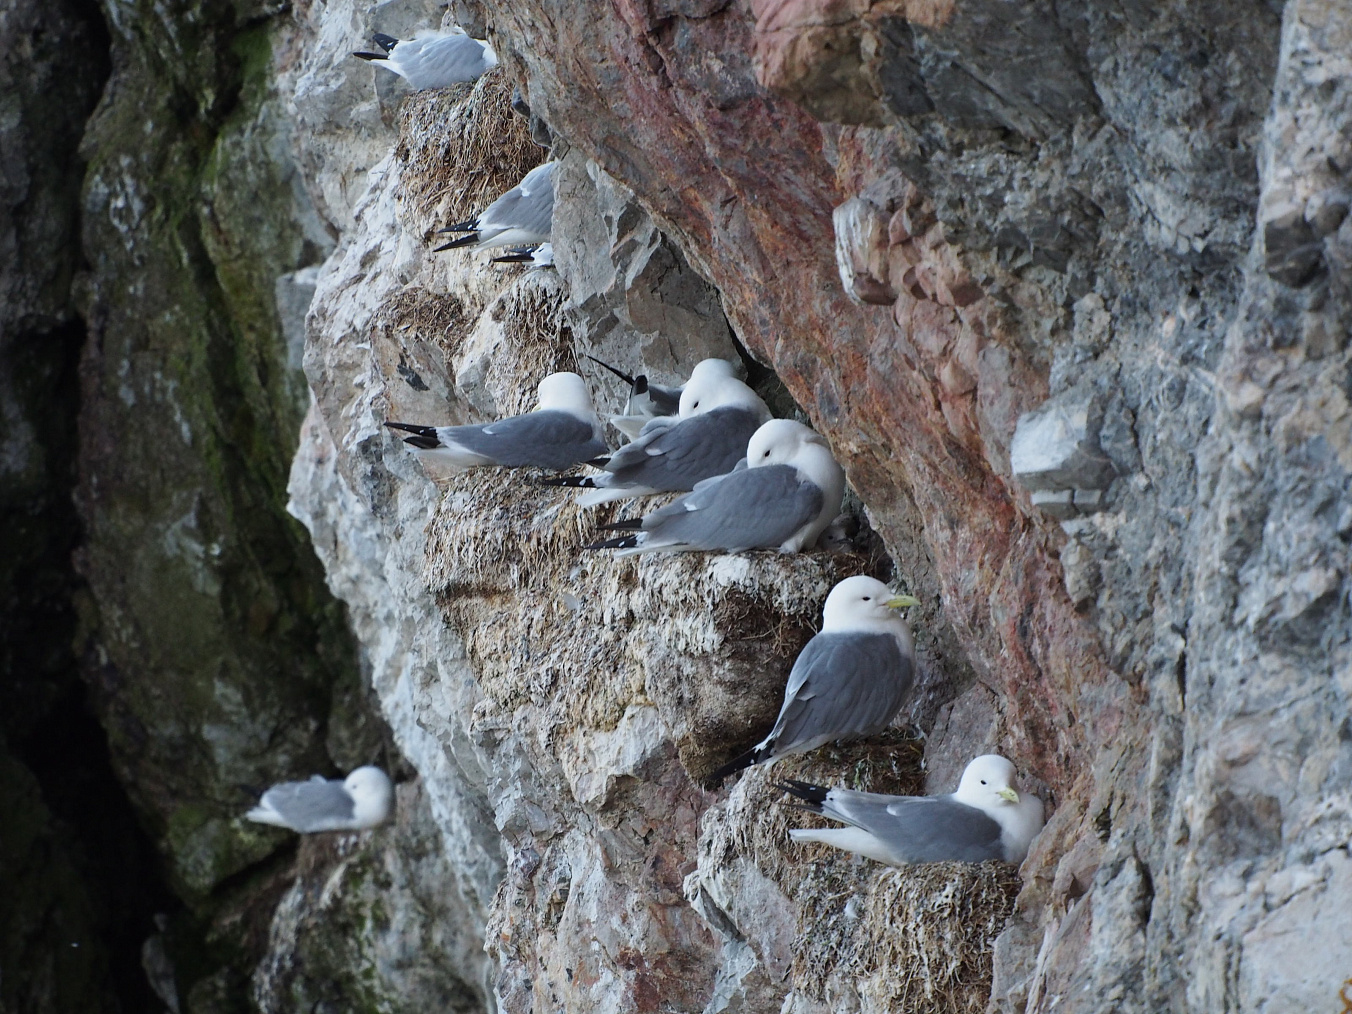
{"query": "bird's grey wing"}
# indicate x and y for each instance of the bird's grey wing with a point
(443, 60)
(933, 829)
(750, 508)
(689, 452)
(549, 439)
(528, 206)
(310, 806)
(501, 214)
(636, 451)
(842, 685)
(539, 178)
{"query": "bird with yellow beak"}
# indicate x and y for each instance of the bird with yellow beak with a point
(849, 681)
(985, 819)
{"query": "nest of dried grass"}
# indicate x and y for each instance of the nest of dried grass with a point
(415, 314)
(896, 941)
(541, 342)
(461, 151)
(498, 529)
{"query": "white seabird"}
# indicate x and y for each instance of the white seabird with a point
(785, 495)
(563, 431)
(520, 217)
(985, 819)
(433, 59)
(718, 414)
(363, 799)
(647, 401)
(849, 681)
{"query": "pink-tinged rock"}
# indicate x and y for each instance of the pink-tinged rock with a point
(861, 252)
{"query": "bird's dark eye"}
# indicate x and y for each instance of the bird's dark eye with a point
(696, 405)
(868, 598)
(983, 781)
(766, 454)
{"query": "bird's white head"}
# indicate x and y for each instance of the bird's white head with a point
(709, 368)
(988, 783)
(565, 392)
(779, 442)
(712, 385)
(372, 796)
(863, 603)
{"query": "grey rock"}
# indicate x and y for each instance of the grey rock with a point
(1055, 453)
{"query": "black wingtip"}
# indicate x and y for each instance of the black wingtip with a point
(628, 542)
(454, 244)
(521, 255)
(422, 431)
(733, 766)
(574, 481)
(600, 462)
(641, 384)
(626, 525)
(468, 225)
(369, 56)
(385, 42)
(619, 373)
(424, 437)
(812, 795)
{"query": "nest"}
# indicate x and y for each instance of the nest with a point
(539, 340)
(498, 530)
(894, 940)
(437, 319)
(461, 152)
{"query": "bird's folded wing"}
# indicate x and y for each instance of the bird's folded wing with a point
(309, 805)
(745, 509)
(842, 685)
(445, 57)
(528, 206)
(686, 452)
(549, 439)
(938, 829)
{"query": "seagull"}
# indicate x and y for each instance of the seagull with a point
(520, 217)
(561, 433)
(849, 681)
(718, 415)
(540, 255)
(985, 819)
(434, 59)
(646, 401)
(363, 799)
(784, 496)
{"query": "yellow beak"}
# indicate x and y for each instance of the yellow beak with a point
(901, 601)
(1008, 794)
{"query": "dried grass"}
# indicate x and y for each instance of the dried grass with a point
(415, 314)
(540, 341)
(497, 530)
(461, 151)
(888, 940)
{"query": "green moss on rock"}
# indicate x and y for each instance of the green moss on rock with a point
(218, 653)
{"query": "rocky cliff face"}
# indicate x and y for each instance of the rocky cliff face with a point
(1066, 286)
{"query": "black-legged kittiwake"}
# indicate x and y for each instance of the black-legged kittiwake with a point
(849, 681)
(363, 799)
(520, 217)
(787, 491)
(646, 401)
(718, 415)
(540, 255)
(563, 431)
(434, 59)
(985, 819)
